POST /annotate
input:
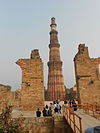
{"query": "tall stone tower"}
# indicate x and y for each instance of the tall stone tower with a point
(55, 76)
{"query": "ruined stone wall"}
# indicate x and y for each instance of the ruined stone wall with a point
(8, 97)
(73, 93)
(31, 94)
(87, 76)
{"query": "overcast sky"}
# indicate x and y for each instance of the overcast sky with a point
(25, 25)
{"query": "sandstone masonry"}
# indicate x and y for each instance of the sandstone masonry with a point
(56, 88)
(31, 95)
(87, 73)
(45, 124)
(32, 92)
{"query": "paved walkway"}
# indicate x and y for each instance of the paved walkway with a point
(87, 121)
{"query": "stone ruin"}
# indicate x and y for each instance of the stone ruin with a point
(9, 97)
(31, 94)
(87, 72)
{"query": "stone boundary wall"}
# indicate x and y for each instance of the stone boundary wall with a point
(44, 124)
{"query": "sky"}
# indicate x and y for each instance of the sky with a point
(25, 25)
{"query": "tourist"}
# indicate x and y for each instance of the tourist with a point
(76, 101)
(74, 105)
(44, 112)
(73, 101)
(50, 112)
(38, 113)
(46, 106)
(52, 107)
(55, 108)
(54, 102)
(65, 102)
(67, 105)
(58, 101)
(59, 108)
(70, 103)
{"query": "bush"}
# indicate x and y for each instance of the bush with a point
(9, 125)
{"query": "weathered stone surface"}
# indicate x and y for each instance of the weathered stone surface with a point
(31, 95)
(72, 94)
(45, 124)
(87, 76)
(8, 97)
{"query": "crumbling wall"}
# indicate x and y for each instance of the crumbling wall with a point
(8, 97)
(31, 94)
(87, 76)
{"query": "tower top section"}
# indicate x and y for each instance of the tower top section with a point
(53, 24)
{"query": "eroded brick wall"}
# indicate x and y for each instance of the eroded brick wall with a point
(87, 76)
(9, 97)
(31, 94)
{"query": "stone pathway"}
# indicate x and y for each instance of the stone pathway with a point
(17, 113)
(87, 121)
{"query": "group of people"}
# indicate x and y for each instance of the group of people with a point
(53, 108)
(47, 111)
(57, 107)
(71, 103)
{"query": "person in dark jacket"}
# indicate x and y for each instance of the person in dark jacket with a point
(38, 113)
(44, 112)
(50, 112)
(74, 105)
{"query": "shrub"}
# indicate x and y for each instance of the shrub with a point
(8, 124)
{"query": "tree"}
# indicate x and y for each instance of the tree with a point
(9, 125)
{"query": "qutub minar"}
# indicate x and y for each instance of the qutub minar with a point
(56, 88)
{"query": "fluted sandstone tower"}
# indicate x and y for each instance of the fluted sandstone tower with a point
(55, 76)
